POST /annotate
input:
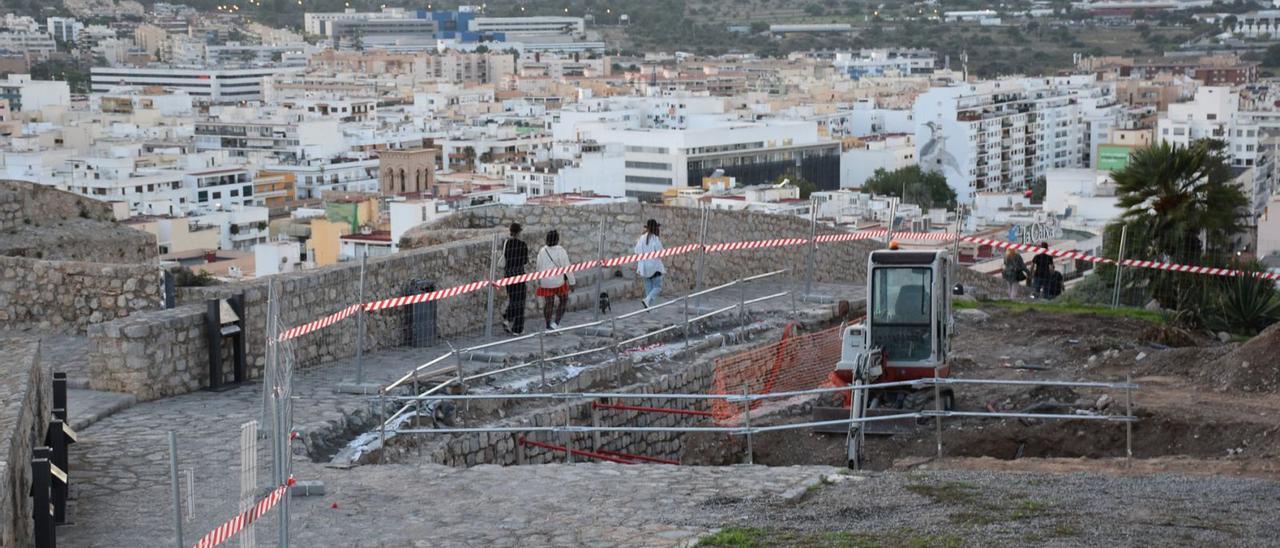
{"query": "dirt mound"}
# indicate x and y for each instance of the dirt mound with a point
(1253, 366)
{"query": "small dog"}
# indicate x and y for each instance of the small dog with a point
(604, 303)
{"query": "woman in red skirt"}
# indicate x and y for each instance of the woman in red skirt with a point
(554, 290)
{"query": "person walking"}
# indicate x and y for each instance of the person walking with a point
(515, 255)
(1041, 272)
(650, 270)
(554, 290)
(1015, 271)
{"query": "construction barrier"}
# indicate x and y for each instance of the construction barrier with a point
(796, 362)
(224, 532)
(463, 289)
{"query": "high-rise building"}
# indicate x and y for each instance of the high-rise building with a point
(1000, 136)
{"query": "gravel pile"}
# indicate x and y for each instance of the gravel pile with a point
(1013, 509)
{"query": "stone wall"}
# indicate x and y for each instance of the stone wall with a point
(501, 448)
(81, 240)
(26, 401)
(620, 226)
(312, 294)
(153, 355)
(69, 296)
(23, 203)
(41, 222)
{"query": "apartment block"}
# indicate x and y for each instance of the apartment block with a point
(1000, 136)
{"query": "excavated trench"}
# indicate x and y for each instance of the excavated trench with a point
(664, 366)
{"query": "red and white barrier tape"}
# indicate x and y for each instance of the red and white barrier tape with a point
(755, 244)
(1030, 247)
(560, 271)
(316, 325)
(395, 302)
(229, 529)
(679, 250)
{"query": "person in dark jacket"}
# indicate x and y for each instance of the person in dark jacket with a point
(515, 255)
(1041, 272)
(1055, 282)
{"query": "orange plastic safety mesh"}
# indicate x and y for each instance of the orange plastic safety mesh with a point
(796, 362)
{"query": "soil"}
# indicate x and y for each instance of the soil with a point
(1253, 366)
(1200, 408)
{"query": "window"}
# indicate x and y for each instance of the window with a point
(202, 196)
(901, 306)
(648, 150)
(649, 165)
(648, 180)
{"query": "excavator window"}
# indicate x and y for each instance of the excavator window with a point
(901, 312)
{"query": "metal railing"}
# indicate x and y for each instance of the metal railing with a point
(746, 429)
(456, 372)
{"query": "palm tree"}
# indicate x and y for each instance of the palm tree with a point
(1184, 199)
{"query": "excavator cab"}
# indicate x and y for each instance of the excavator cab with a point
(905, 336)
(909, 312)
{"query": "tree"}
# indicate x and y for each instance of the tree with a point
(926, 189)
(1183, 198)
(1038, 189)
(758, 27)
(482, 48)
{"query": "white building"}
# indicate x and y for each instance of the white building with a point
(1269, 228)
(315, 177)
(276, 258)
(219, 188)
(1082, 197)
(23, 35)
(1215, 113)
(64, 29)
(241, 228)
(972, 15)
(205, 84)
(25, 94)
(408, 214)
(673, 142)
(263, 137)
(573, 168)
(235, 54)
(1000, 136)
(1263, 24)
(889, 152)
(884, 61)
(530, 26)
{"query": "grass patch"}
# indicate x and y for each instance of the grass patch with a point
(1065, 530)
(951, 492)
(985, 516)
(1030, 508)
(736, 537)
(752, 537)
(1068, 308)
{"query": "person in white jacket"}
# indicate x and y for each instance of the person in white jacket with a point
(650, 270)
(554, 290)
